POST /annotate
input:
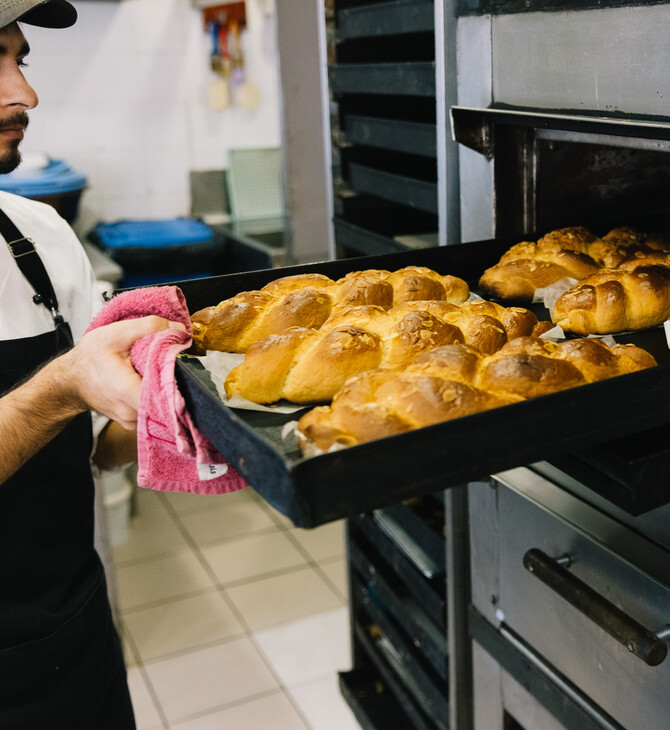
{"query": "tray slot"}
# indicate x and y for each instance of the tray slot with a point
(399, 17)
(366, 216)
(379, 550)
(413, 539)
(429, 690)
(414, 78)
(402, 676)
(430, 641)
(372, 226)
(400, 189)
(375, 706)
(363, 241)
(421, 110)
(391, 134)
(359, 240)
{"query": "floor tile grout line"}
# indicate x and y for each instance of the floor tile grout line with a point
(169, 553)
(278, 573)
(310, 562)
(221, 590)
(315, 565)
(229, 705)
(196, 551)
(206, 566)
(249, 631)
(159, 602)
(140, 666)
(124, 635)
(143, 666)
(280, 682)
(218, 585)
(177, 653)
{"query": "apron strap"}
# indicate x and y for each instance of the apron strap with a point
(27, 259)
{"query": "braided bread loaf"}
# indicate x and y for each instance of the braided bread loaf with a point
(568, 252)
(308, 300)
(306, 365)
(457, 380)
(616, 300)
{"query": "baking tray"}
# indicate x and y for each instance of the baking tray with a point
(319, 489)
(408, 78)
(397, 17)
(421, 194)
(396, 135)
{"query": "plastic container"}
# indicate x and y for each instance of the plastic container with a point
(157, 251)
(117, 494)
(49, 181)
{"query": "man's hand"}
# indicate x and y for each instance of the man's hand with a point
(98, 373)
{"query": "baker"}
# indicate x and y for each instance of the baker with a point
(61, 663)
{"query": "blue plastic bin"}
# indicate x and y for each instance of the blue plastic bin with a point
(156, 251)
(55, 183)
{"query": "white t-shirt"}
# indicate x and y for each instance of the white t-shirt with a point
(69, 269)
(66, 262)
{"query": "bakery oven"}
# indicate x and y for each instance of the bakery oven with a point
(552, 170)
(562, 120)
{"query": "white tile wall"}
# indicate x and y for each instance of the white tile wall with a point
(123, 98)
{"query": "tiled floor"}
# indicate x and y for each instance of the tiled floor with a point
(232, 618)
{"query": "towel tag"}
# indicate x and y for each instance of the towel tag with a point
(211, 471)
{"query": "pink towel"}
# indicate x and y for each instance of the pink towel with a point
(172, 454)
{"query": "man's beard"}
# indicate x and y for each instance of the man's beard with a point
(11, 160)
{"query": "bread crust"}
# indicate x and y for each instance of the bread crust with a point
(325, 358)
(573, 252)
(309, 300)
(455, 381)
(615, 300)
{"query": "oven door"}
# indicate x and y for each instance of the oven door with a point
(575, 588)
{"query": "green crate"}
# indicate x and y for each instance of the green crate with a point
(255, 189)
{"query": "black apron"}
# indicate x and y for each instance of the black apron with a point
(60, 656)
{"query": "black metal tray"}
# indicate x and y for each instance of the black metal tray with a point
(396, 135)
(409, 78)
(421, 194)
(397, 17)
(323, 488)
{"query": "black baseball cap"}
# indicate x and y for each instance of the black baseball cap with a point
(45, 13)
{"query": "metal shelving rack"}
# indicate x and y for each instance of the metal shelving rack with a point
(391, 76)
(398, 608)
(382, 83)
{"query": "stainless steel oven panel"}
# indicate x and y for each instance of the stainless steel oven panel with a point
(496, 694)
(588, 656)
(484, 538)
(605, 60)
(474, 90)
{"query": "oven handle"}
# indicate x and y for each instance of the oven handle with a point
(641, 642)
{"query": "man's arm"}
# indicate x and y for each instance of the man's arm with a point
(30, 416)
(97, 374)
